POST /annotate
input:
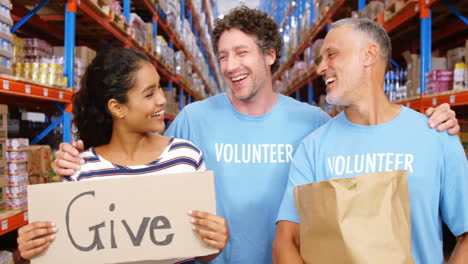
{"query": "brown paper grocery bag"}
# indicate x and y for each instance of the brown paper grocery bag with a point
(360, 220)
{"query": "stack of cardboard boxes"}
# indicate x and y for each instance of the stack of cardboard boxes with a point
(83, 57)
(414, 71)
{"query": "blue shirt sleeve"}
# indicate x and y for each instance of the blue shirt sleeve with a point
(179, 128)
(301, 172)
(454, 197)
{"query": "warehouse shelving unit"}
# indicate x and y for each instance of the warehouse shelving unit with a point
(402, 20)
(12, 219)
(86, 19)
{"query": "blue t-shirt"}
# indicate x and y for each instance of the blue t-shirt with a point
(436, 164)
(250, 156)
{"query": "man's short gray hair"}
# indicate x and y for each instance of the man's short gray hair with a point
(373, 30)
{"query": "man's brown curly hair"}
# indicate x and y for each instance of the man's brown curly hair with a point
(255, 23)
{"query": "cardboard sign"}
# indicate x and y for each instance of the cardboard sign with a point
(123, 219)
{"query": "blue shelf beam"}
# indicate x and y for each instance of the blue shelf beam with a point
(48, 129)
(70, 23)
(361, 4)
(298, 95)
(126, 10)
(28, 16)
(182, 10)
(426, 43)
(310, 98)
(170, 86)
(155, 27)
(455, 11)
(181, 97)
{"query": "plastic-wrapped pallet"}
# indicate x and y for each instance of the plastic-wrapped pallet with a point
(138, 28)
(180, 65)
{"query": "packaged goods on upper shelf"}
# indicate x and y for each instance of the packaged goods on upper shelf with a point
(5, 15)
(455, 56)
(149, 41)
(37, 47)
(16, 156)
(414, 68)
(370, 11)
(5, 28)
(17, 178)
(439, 81)
(116, 7)
(18, 48)
(138, 27)
(166, 53)
(15, 168)
(17, 143)
(16, 191)
(17, 203)
(460, 76)
(47, 70)
(85, 54)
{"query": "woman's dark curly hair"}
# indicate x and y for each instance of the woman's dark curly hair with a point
(255, 23)
(109, 76)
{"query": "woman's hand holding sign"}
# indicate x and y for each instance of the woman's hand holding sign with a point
(213, 230)
(35, 238)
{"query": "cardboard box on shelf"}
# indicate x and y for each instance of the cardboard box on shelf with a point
(466, 51)
(3, 135)
(414, 68)
(438, 63)
(82, 52)
(413, 62)
(3, 117)
(150, 41)
(2, 188)
(455, 55)
(2, 153)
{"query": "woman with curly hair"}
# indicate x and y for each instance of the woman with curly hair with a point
(117, 112)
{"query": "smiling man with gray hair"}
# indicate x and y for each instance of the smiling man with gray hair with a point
(354, 59)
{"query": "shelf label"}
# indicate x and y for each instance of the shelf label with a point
(6, 85)
(452, 99)
(27, 89)
(434, 101)
(46, 92)
(26, 216)
(4, 225)
(61, 95)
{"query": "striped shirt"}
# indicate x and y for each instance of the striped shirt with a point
(178, 157)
